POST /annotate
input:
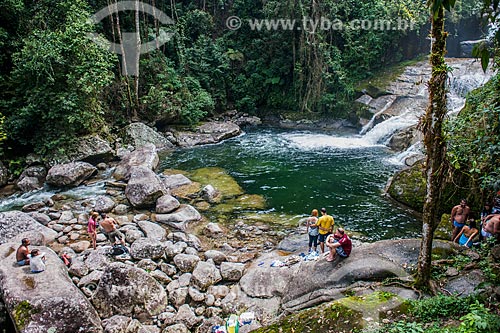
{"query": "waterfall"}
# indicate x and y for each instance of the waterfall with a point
(410, 101)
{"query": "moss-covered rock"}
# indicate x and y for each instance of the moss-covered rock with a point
(409, 187)
(218, 178)
(344, 315)
(242, 202)
(22, 314)
(444, 229)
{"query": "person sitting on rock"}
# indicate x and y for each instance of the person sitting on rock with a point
(109, 224)
(338, 243)
(37, 261)
(23, 251)
(467, 234)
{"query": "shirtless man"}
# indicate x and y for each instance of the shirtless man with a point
(491, 226)
(459, 215)
(22, 253)
(109, 225)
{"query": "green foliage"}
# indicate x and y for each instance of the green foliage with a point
(473, 140)
(405, 327)
(440, 306)
(429, 315)
(58, 77)
(170, 97)
(55, 84)
(479, 320)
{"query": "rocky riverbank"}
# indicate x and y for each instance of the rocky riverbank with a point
(185, 272)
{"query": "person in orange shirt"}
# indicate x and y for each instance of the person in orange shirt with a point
(325, 224)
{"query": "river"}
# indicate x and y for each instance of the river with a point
(297, 171)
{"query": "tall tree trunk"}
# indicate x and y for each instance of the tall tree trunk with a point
(124, 61)
(431, 125)
(136, 61)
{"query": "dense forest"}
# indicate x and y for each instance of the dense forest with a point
(57, 84)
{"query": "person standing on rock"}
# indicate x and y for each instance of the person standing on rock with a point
(108, 224)
(459, 215)
(325, 225)
(312, 230)
(23, 251)
(92, 228)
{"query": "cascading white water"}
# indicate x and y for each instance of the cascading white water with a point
(466, 76)
(19, 200)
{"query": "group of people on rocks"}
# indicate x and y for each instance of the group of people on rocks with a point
(465, 228)
(108, 226)
(320, 229)
(36, 259)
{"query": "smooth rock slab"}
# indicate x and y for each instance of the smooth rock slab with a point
(180, 218)
(18, 224)
(166, 204)
(152, 230)
(39, 302)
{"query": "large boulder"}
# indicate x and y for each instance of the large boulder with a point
(147, 248)
(92, 149)
(206, 274)
(186, 262)
(47, 301)
(408, 187)
(129, 291)
(144, 187)
(32, 178)
(145, 156)
(16, 225)
(139, 134)
(232, 271)
(180, 218)
(69, 174)
(208, 133)
(27, 184)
